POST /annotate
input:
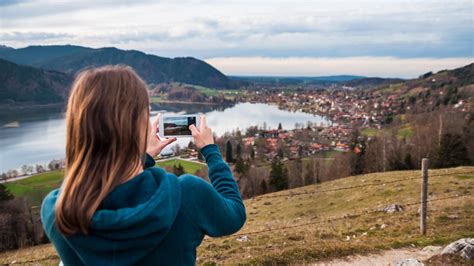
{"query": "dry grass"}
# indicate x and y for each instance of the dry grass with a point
(325, 237)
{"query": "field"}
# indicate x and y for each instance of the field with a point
(36, 187)
(189, 167)
(334, 219)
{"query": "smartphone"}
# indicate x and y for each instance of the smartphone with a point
(177, 125)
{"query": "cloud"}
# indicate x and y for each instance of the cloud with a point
(32, 36)
(311, 66)
(244, 28)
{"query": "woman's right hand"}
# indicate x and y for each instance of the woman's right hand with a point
(202, 136)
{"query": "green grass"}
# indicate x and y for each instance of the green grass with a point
(369, 132)
(157, 99)
(36, 187)
(189, 167)
(464, 177)
(405, 132)
(323, 237)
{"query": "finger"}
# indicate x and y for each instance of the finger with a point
(154, 127)
(167, 142)
(203, 123)
(194, 130)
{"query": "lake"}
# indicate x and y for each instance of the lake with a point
(37, 136)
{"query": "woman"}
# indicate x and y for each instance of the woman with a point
(114, 207)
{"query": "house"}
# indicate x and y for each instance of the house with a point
(248, 141)
(270, 133)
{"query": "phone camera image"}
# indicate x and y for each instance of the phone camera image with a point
(178, 126)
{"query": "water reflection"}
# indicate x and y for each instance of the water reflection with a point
(40, 136)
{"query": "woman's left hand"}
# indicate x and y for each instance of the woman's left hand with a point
(155, 145)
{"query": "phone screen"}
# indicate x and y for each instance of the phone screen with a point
(178, 125)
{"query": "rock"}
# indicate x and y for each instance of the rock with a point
(392, 208)
(453, 216)
(383, 226)
(364, 234)
(372, 228)
(243, 238)
(409, 262)
(463, 247)
(432, 250)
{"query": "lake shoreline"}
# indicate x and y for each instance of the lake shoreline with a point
(24, 106)
(44, 129)
(186, 102)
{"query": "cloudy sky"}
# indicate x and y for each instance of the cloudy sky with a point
(390, 38)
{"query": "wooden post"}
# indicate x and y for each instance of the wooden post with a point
(424, 195)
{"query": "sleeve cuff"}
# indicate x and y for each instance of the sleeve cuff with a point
(149, 161)
(209, 151)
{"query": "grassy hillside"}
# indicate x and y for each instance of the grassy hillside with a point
(325, 225)
(36, 187)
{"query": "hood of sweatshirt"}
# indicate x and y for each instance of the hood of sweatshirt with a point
(131, 221)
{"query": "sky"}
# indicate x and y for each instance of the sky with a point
(387, 38)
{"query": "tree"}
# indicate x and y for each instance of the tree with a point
(39, 168)
(228, 152)
(5, 194)
(280, 153)
(280, 126)
(452, 152)
(252, 152)
(263, 186)
(309, 175)
(358, 147)
(242, 166)
(238, 151)
(27, 169)
(178, 169)
(408, 162)
(278, 175)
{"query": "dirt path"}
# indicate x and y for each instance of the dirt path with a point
(388, 257)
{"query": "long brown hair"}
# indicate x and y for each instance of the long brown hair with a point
(107, 127)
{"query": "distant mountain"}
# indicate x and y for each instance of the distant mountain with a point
(371, 82)
(28, 84)
(153, 69)
(34, 55)
(283, 80)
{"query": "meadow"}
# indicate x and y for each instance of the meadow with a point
(334, 219)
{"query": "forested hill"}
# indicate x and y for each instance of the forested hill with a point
(153, 69)
(28, 84)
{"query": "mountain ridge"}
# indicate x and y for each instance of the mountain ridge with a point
(152, 68)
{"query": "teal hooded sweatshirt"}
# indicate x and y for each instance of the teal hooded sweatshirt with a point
(154, 218)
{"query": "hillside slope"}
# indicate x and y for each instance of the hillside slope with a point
(434, 89)
(334, 219)
(28, 84)
(153, 69)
